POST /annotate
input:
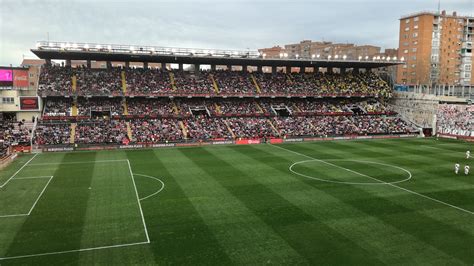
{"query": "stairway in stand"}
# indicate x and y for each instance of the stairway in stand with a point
(124, 82)
(173, 81)
(255, 83)
(230, 129)
(73, 133)
(274, 128)
(214, 84)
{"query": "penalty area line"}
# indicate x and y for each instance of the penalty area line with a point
(373, 178)
(72, 251)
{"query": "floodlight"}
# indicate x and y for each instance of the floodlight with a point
(344, 57)
(86, 46)
(360, 57)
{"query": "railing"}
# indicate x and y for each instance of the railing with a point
(143, 49)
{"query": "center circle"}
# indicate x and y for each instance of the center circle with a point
(327, 162)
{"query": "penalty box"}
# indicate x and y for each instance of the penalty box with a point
(102, 193)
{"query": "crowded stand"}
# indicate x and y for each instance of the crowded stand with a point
(198, 82)
(203, 127)
(250, 127)
(234, 82)
(13, 133)
(56, 106)
(92, 107)
(55, 81)
(101, 131)
(150, 107)
(455, 119)
(147, 82)
(99, 82)
(52, 133)
(156, 106)
(156, 130)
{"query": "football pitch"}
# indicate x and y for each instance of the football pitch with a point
(365, 202)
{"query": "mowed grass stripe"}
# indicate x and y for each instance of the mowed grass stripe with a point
(405, 212)
(56, 223)
(245, 238)
(308, 236)
(177, 232)
(7, 172)
(433, 174)
(385, 242)
(128, 226)
(113, 213)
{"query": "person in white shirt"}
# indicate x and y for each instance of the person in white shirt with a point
(468, 154)
(466, 169)
(456, 168)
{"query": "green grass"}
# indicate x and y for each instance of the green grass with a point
(241, 205)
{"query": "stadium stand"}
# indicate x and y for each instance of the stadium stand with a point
(155, 106)
(455, 119)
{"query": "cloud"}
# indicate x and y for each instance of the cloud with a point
(231, 24)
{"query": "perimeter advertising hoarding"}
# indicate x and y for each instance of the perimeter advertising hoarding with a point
(6, 77)
(29, 104)
(20, 78)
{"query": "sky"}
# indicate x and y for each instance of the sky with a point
(212, 24)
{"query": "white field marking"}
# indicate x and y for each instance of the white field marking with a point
(41, 194)
(443, 149)
(72, 251)
(8, 180)
(373, 178)
(154, 193)
(352, 183)
(138, 200)
(13, 215)
(79, 162)
(36, 201)
(31, 177)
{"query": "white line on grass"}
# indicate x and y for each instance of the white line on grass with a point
(158, 191)
(138, 200)
(72, 251)
(79, 162)
(373, 178)
(41, 194)
(6, 182)
(31, 177)
(34, 204)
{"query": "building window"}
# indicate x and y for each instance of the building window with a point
(407, 21)
(407, 28)
(415, 42)
(413, 50)
(405, 44)
(416, 18)
(405, 36)
(413, 65)
(414, 57)
(468, 67)
(415, 27)
(405, 51)
(8, 100)
(415, 34)
(467, 75)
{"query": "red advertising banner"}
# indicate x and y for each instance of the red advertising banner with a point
(247, 141)
(20, 78)
(29, 104)
(276, 141)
